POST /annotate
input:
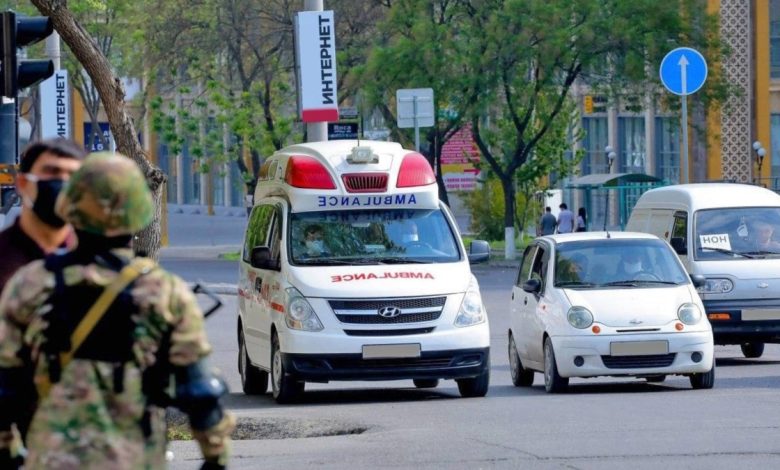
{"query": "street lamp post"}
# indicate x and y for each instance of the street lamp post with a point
(611, 155)
(760, 154)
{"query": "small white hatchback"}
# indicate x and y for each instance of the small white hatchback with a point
(607, 304)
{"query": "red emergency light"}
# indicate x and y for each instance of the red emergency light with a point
(307, 172)
(415, 171)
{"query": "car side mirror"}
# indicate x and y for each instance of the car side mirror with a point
(532, 286)
(479, 251)
(678, 244)
(698, 280)
(261, 258)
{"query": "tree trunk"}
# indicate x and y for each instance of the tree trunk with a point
(112, 95)
(509, 216)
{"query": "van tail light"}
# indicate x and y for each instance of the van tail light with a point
(415, 171)
(307, 172)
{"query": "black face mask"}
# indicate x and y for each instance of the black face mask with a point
(43, 207)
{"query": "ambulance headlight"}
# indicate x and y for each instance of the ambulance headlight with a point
(471, 311)
(299, 314)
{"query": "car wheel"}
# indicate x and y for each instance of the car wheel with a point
(285, 389)
(254, 381)
(426, 383)
(752, 350)
(656, 378)
(475, 386)
(705, 380)
(521, 376)
(553, 382)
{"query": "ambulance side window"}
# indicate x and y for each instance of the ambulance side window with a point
(258, 229)
(275, 238)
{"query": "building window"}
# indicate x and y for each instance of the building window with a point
(774, 37)
(667, 144)
(593, 143)
(632, 144)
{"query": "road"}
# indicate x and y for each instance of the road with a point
(601, 423)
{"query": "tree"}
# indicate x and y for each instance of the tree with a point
(529, 54)
(112, 95)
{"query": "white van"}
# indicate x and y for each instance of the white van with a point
(352, 269)
(727, 233)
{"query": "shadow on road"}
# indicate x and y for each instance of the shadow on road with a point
(741, 361)
(341, 397)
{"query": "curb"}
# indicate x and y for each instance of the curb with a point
(219, 289)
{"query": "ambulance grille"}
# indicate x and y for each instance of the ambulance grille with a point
(365, 182)
(363, 312)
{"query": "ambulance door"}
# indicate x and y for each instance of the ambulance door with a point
(263, 242)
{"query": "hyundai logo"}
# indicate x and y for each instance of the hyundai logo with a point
(389, 312)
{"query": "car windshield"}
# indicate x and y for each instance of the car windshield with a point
(588, 264)
(737, 233)
(389, 236)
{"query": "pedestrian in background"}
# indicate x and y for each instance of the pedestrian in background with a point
(565, 219)
(43, 169)
(582, 220)
(95, 336)
(547, 223)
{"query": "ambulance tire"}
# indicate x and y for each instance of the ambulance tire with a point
(475, 386)
(254, 381)
(285, 388)
(426, 383)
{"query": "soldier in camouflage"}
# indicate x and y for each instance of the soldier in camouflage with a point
(102, 408)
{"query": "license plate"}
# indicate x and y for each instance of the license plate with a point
(638, 348)
(760, 314)
(390, 351)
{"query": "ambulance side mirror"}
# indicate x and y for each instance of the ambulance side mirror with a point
(261, 258)
(479, 251)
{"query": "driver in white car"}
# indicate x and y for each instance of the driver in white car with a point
(630, 264)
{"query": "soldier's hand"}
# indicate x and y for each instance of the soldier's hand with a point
(11, 461)
(208, 466)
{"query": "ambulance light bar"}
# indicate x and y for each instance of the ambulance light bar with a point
(307, 172)
(362, 155)
(415, 171)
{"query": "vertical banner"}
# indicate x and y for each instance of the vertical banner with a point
(459, 157)
(55, 106)
(315, 57)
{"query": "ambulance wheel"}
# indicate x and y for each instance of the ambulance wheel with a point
(254, 381)
(752, 350)
(475, 386)
(426, 383)
(285, 389)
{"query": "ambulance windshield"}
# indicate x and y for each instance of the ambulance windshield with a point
(386, 236)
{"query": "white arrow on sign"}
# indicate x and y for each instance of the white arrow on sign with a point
(683, 63)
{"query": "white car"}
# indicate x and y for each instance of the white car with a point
(607, 304)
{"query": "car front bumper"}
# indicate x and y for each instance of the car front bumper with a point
(597, 360)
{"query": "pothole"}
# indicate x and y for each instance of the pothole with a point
(268, 428)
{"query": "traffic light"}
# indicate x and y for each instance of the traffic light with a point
(20, 31)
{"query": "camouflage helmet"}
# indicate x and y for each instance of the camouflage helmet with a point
(107, 196)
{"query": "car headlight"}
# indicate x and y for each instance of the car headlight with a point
(299, 314)
(579, 317)
(690, 314)
(716, 286)
(471, 311)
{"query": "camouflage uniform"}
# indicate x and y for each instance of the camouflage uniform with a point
(85, 422)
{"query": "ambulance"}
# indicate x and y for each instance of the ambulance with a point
(352, 269)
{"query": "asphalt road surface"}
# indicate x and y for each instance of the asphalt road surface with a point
(605, 423)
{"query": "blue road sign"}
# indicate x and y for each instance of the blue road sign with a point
(683, 71)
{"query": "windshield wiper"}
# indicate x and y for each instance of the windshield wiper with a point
(730, 252)
(324, 262)
(574, 284)
(762, 253)
(653, 281)
(401, 260)
(626, 283)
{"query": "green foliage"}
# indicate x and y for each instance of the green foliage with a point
(486, 207)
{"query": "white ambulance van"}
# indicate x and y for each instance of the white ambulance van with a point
(352, 269)
(730, 235)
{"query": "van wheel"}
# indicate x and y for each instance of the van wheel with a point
(752, 350)
(553, 382)
(521, 376)
(475, 386)
(426, 383)
(705, 380)
(285, 389)
(254, 381)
